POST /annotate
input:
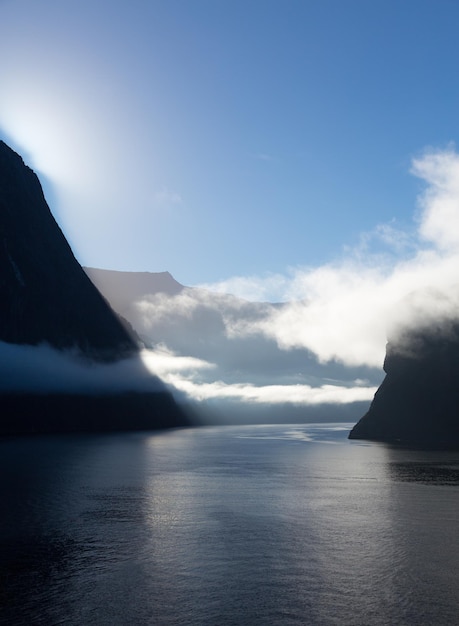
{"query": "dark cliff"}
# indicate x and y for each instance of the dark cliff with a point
(45, 295)
(418, 401)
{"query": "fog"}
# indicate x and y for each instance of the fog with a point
(191, 376)
(196, 347)
(42, 369)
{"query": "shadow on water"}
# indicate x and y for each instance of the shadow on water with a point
(424, 508)
(427, 468)
(154, 530)
(286, 525)
(68, 502)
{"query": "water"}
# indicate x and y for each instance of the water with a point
(253, 525)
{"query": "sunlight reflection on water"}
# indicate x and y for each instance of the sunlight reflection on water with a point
(228, 525)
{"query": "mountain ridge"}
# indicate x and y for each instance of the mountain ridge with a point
(38, 267)
(47, 300)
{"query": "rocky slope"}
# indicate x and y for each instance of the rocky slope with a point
(47, 298)
(418, 401)
(45, 294)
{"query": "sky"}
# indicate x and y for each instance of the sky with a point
(224, 140)
(295, 151)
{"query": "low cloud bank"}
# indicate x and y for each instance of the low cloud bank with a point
(185, 374)
(273, 394)
(42, 369)
(344, 311)
(247, 369)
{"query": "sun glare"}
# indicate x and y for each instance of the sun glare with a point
(52, 131)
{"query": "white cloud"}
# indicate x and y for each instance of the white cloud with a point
(189, 376)
(167, 197)
(155, 308)
(253, 288)
(440, 202)
(42, 369)
(385, 240)
(264, 156)
(343, 311)
(271, 394)
(163, 362)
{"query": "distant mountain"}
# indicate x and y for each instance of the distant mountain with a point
(190, 321)
(124, 288)
(203, 324)
(418, 401)
(47, 298)
(215, 329)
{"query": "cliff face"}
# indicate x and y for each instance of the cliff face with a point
(418, 401)
(44, 293)
(46, 297)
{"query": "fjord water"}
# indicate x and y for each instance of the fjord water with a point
(251, 525)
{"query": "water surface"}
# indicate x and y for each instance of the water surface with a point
(227, 525)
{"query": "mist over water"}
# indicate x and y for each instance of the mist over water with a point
(43, 369)
(289, 524)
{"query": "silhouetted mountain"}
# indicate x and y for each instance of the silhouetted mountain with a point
(46, 297)
(33, 413)
(418, 401)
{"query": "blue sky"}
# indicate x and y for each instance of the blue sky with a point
(218, 139)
